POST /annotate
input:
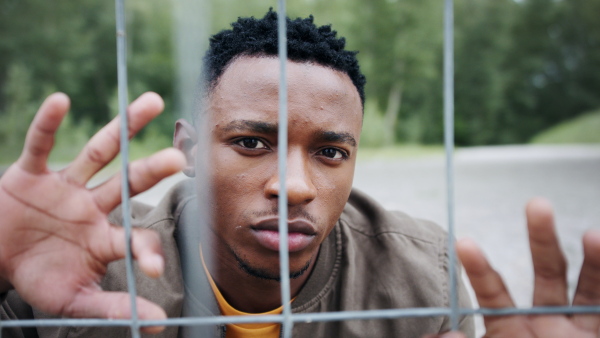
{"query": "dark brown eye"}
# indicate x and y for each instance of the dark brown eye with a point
(251, 143)
(332, 153)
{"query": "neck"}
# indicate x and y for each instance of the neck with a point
(246, 292)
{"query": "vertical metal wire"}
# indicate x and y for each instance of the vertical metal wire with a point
(449, 145)
(282, 138)
(123, 101)
(288, 320)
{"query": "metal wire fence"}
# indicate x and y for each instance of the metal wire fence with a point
(287, 318)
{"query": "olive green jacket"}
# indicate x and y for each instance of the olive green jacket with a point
(373, 259)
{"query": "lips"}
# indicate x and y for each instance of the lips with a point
(301, 233)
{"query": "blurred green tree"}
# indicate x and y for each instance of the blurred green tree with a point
(69, 45)
(18, 110)
(521, 66)
(400, 47)
(483, 35)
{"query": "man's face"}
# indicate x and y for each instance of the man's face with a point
(325, 118)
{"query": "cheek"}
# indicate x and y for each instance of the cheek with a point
(236, 181)
(334, 189)
(230, 201)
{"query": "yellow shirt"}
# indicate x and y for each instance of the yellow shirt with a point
(257, 330)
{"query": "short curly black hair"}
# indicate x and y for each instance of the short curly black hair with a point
(306, 42)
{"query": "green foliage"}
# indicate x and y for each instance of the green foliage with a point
(66, 45)
(521, 66)
(524, 66)
(70, 138)
(150, 59)
(582, 129)
(400, 46)
(17, 113)
(482, 39)
(373, 124)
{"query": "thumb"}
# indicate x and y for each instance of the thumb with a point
(115, 305)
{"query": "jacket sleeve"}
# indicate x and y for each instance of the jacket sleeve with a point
(13, 308)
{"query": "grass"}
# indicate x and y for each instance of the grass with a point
(582, 129)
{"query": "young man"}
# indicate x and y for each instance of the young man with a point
(346, 252)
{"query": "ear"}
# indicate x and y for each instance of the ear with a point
(185, 140)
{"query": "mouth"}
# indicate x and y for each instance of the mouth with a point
(301, 234)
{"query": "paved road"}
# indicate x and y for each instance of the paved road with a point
(492, 187)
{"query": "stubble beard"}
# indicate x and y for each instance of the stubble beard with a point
(263, 274)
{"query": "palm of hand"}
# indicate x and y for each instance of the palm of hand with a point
(535, 326)
(550, 285)
(55, 239)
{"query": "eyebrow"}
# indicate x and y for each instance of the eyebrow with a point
(271, 128)
(254, 126)
(337, 137)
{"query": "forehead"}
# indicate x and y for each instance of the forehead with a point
(250, 86)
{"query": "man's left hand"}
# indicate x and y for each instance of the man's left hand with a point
(550, 283)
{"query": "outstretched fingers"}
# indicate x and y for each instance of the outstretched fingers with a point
(40, 136)
(143, 174)
(487, 283)
(105, 145)
(145, 246)
(490, 290)
(114, 305)
(549, 263)
(147, 250)
(588, 292)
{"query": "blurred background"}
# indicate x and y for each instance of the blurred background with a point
(526, 71)
(527, 100)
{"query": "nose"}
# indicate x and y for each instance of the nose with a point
(299, 181)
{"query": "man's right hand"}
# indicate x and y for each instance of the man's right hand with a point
(55, 239)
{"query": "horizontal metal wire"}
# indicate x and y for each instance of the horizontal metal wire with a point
(310, 317)
(316, 317)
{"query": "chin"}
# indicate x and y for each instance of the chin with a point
(269, 274)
